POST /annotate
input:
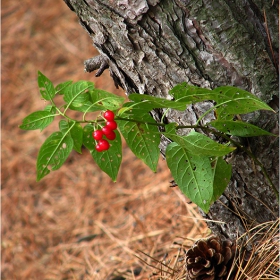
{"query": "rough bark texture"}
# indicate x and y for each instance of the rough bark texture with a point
(150, 46)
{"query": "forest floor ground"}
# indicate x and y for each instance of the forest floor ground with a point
(76, 223)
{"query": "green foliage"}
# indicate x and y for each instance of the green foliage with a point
(229, 100)
(46, 87)
(195, 160)
(76, 133)
(37, 120)
(239, 128)
(221, 176)
(60, 87)
(107, 100)
(232, 101)
(53, 153)
(143, 139)
(200, 144)
(188, 158)
(110, 161)
(192, 173)
(77, 95)
(151, 102)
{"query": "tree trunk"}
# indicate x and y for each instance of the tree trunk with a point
(150, 46)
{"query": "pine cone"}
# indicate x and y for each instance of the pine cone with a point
(210, 259)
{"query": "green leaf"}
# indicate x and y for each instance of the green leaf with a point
(109, 161)
(171, 128)
(83, 97)
(192, 173)
(88, 140)
(239, 128)
(60, 88)
(142, 139)
(233, 101)
(229, 100)
(107, 100)
(46, 87)
(74, 130)
(221, 175)
(191, 94)
(147, 102)
(50, 108)
(37, 120)
(200, 144)
(53, 153)
(87, 107)
(76, 95)
(133, 107)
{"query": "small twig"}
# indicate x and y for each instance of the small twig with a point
(98, 62)
(155, 261)
(269, 41)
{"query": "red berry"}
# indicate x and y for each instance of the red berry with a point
(103, 145)
(112, 125)
(109, 115)
(98, 148)
(97, 135)
(106, 130)
(111, 135)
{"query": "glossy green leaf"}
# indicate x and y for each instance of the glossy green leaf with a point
(192, 173)
(142, 139)
(200, 144)
(46, 87)
(108, 100)
(88, 140)
(229, 100)
(221, 174)
(152, 102)
(50, 108)
(60, 88)
(74, 130)
(76, 95)
(132, 108)
(53, 153)
(109, 161)
(37, 120)
(88, 107)
(191, 94)
(171, 128)
(239, 102)
(239, 128)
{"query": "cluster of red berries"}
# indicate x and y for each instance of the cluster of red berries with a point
(107, 131)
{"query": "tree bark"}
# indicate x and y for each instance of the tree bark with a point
(150, 46)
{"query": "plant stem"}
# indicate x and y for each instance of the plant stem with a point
(138, 121)
(196, 126)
